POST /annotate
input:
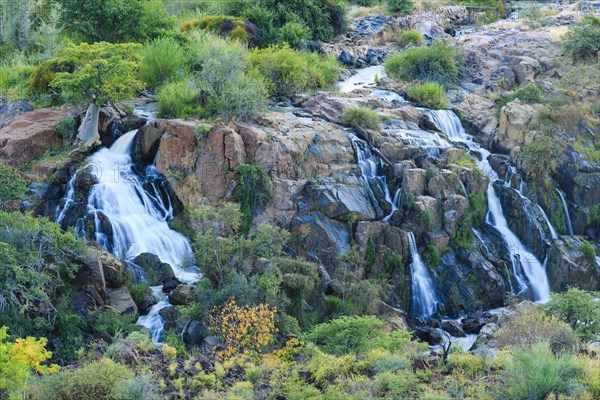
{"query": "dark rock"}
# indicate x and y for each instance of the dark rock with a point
(427, 334)
(145, 144)
(346, 59)
(194, 333)
(171, 317)
(183, 294)
(146, 301)
(454, 328)
(82, 303)
(170, 285)
(569, 267)
(156, 271)
(368, 26)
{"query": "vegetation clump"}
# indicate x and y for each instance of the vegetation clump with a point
(429, 94)
(361, 117)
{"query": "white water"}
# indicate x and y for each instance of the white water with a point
(369, 166)
(424, 299)
(362, 78)
(528, 271)
(567, 215)
(138, 219)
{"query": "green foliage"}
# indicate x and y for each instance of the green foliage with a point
(36, 257)
(478, 206)
(536, 373)
(361, 117)
(531, 93)
(288, 71)
(402, 7)
(111, 324)
(434, 255)
(12, 185)
(429, 94)
(593, 218)
(67, 127)
(97, 380)
(253, 191)
(437, 63)
(162, 59)
(216, 24)
(346, 334)
(244, 96)
(397, 385)
(116, 21)
(293, 33)
(579, 309)
(463, 235)
(411, 36)
(583, 38)
(542, 156)
(180, 99)
(103, 72)
(589, 252)
(468, 363)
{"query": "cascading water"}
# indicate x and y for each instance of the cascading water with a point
(567, 215)
(528, 271)
(137, 215)
(369, 166)
(424, 299)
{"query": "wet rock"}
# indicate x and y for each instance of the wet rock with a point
(183, 294)
(121, 300)
(171, 317)
(368, 26)
(156, 271)
(432, 336)
(146, 301)
(108, 119)
(170, 285)
(454, 328)
(30, 135)
(472, 325)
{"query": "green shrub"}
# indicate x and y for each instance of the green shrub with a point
(253, 191)
(110, 323)
(579, 309)
(244, 96)
(162, 59)
(361, 117)
(429, 94)
(536, 372)
(140, 387)
(531, 93)
(179, 99)
(402, 7)
(67, 127)
(325, 367)
(346, 334)
(436, 63)
(12, 185)
(593, 218)
(542, 156)
(478, 205)
(589, 252)
(97, 380)
(289, 71)
(583, 38)
(397, 385)
(468, 363)
(411, 36)
(293, 34)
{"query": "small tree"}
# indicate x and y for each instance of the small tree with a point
(402, 7)
(577, 308)
(103, 73)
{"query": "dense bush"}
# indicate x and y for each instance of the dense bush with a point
(180, 99)
(162, 59)
(579, 309)
(289, 71)
(410, 36)
(12, 185)
(361, 117)
(67, 127)
(346, 334)
(542, 156)
(429, 94)
(401, 7)
(293, 33)
(253, 190)
(436, 63)
(537, 373)
(583, 38)
(531, 93)
(589, 252)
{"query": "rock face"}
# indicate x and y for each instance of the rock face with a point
(183, 294)
(8, 111)
(121, 300)
(156, 271)
(517, 121)
(567, 266)
(30, 135)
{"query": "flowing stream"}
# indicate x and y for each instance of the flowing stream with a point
(527, 269)
(424, 299)
(131, 217)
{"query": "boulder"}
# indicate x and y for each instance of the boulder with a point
(194, 333)
(567, 266)
(454, 328)
(325, 106)
(455, 208)
(8, 111)
(414, 181)
(518, 122)
(426, 214)
(171, 317)
(146, 301)
(145, 144)
(30, 135)
(121, 300)
(156, 271)
(183, 294)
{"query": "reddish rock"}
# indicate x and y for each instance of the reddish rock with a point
(30, 135)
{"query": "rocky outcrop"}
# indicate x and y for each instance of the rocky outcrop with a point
(155, 271)
(8, 111)
(183, 294)
(121, 301)
(30, 135)
(517, 125)
(567, 266)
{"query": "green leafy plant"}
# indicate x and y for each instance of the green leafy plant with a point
(589, 252)
(430, 94)
(437, 63)
(253, 190)
(583, 38)
(579, 309)
(180, 99)
(409, 37)
(12, 185)
(67, 127)
(361, 117)
(162, 59)
(542, 156)
(402, 7)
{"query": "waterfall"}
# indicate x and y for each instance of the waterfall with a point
(567, 215)
(131, 217)
(424, 299)
(527, 269)
(369, 166)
